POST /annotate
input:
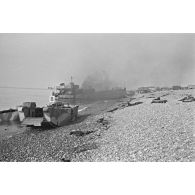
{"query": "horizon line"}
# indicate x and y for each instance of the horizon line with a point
(13, 87)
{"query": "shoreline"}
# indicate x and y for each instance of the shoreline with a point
(144, 132)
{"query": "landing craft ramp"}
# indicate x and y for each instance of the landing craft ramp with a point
(33, 121)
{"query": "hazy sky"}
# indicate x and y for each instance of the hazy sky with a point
(42, 60)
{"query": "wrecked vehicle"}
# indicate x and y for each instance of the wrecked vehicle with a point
(158, 100)
(188, 98)
(57, 114)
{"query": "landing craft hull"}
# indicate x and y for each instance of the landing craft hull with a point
(52, 115)
(9, 115)
(21, 113)
(60, 116)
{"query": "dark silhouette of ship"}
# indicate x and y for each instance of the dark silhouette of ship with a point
(72, 94)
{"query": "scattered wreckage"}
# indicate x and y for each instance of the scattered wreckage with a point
(57, 114)
(158, 100)
(188, 98)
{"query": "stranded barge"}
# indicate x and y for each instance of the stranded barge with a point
(57, 114)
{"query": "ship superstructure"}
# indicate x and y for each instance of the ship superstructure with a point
(64, 93)
(72, 94)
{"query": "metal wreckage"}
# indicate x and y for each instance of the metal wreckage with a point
(62, 107)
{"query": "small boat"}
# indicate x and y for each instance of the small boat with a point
(56, 114)
(9, 115)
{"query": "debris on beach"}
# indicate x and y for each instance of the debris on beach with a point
(165, 95)
(158, 100)
(85, 147)
(122, 105)
(150, 97)
(140, 133)
(65, 160)
(133, 104)
(188, 98)
(80, 133)
(112, 110)
(125, 104)
(103, 121)
(100, 120)
(131, 99)
(82, 109)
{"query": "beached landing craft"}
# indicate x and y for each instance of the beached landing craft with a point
(9, 115)
(57, 114)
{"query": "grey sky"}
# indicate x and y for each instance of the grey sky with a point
(42, 60)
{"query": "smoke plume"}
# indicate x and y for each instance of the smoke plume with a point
(98, 80)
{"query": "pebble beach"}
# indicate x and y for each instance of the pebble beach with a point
(113, 130)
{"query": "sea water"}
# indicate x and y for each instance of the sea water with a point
(12, 97)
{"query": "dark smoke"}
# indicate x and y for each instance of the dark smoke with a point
(131, 60)
(98, 80)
